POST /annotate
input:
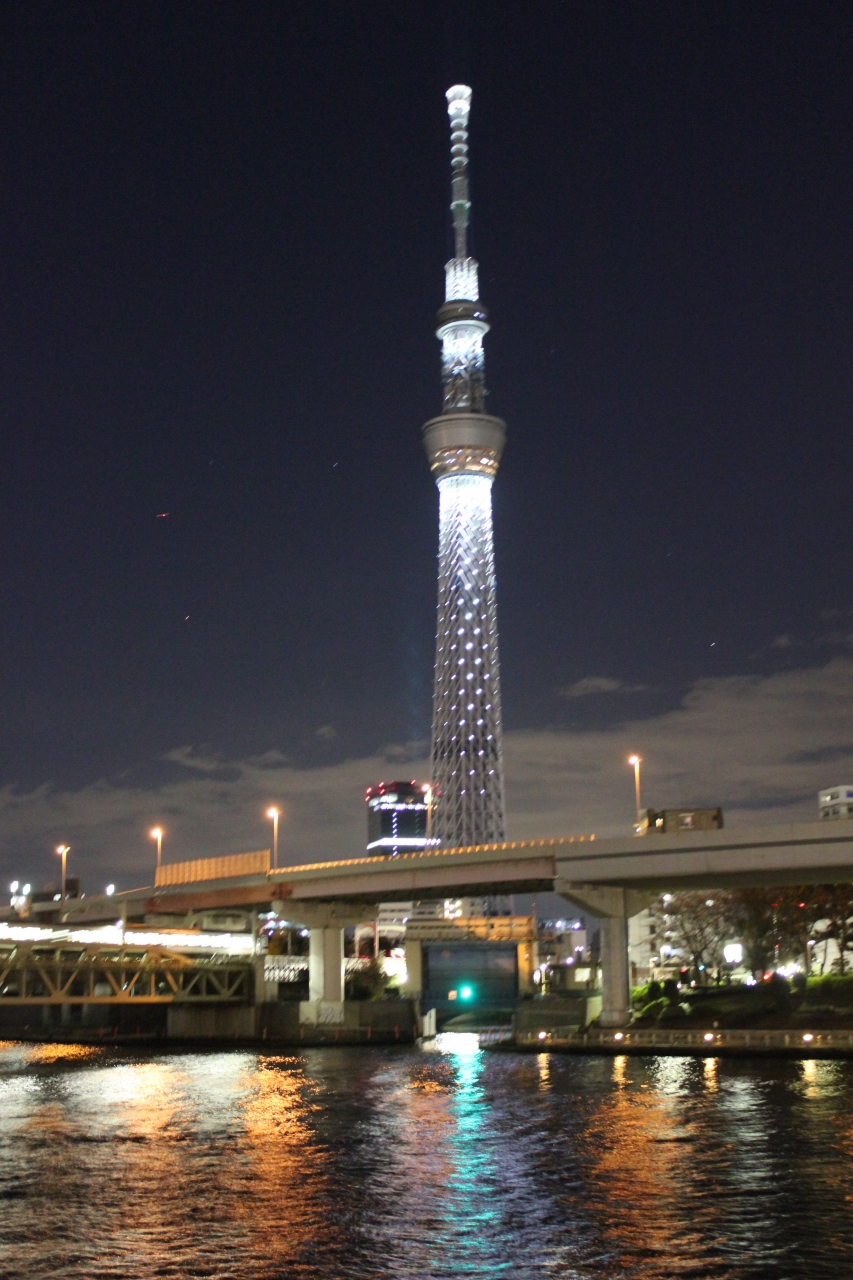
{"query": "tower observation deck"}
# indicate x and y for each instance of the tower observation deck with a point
(464, 446)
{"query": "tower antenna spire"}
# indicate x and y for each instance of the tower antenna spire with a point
(464, 446)
(458, 108)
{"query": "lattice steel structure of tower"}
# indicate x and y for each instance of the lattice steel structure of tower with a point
(464, 447)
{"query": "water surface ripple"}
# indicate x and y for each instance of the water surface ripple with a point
(420, 1164)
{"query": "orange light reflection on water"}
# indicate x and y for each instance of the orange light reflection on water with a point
(287, 1162)
(642, 1162)
(39, 1055)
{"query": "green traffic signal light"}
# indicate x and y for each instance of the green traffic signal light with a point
(465, 993)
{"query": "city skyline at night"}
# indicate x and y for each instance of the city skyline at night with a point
(218, 581)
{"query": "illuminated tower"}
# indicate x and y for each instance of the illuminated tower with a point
(464, 447)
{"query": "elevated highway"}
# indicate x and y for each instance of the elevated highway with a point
(796, 853)
(611, 878)
(801, 853)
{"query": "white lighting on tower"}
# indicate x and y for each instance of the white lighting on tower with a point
(464, 447)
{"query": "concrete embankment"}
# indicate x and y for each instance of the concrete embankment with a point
(286, 1023)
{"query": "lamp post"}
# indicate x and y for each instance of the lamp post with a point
(62, 850)
(157, 835)
(636, 761)
(427, 790)
(274, 814)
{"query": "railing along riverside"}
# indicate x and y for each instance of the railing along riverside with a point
(495, 1035)
(290, 968)
(705, 1042)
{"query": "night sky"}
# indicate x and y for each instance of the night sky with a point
(222, 236)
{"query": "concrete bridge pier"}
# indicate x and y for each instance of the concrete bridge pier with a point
(612, 906)
(326, 964)
(414, 987)
(326, 923)
(615, 984)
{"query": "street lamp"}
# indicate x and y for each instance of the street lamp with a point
(427, 790)
(636, 761)
(274, 814)
(62, 850)
(157, 835)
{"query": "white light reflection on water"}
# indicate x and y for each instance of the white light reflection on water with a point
(409, 1164)
(461, 1044)
(811, 1088)
(673, 1076)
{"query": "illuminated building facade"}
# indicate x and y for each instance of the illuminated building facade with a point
(464, 446)
(836, 803)
(397, 817)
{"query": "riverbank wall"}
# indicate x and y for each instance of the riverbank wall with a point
(284, 1023)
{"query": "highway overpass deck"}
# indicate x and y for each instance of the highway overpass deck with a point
(611, 878)
(816, 853)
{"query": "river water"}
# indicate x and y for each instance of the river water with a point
(421, 1163)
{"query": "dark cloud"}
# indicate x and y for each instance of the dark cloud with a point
(590, 686)
(825, 755)
(752, 744)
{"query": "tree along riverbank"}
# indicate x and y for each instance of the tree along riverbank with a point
(774, 1003)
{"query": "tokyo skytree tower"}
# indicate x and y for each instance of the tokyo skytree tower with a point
(464, 447)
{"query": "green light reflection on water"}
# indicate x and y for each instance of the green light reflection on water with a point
(468, 1242)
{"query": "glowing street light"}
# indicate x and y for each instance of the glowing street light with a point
(427, 790)
(636, 762)
(63, 851)
(274, 814)
(157, 835)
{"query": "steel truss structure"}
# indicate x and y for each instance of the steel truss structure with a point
(68, 973)
(466, 760)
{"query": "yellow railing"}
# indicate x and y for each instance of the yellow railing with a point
(438, 852)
